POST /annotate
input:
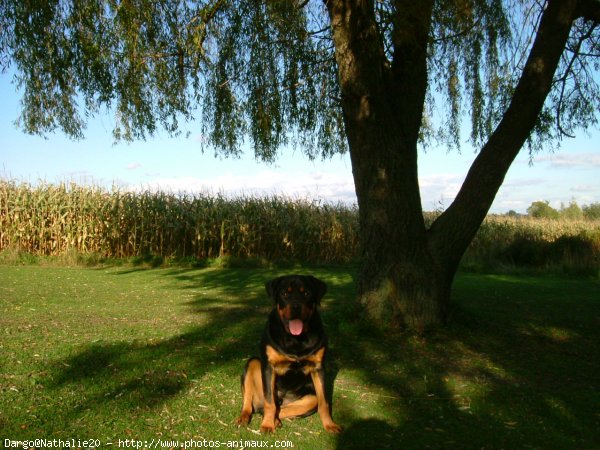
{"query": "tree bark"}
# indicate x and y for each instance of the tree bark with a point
(382, 119)
(406, 270)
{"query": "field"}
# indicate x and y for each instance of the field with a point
(71, 221)
(113, 353)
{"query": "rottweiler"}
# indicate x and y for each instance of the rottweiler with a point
(288, 380)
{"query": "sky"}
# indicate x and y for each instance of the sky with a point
(179, 165)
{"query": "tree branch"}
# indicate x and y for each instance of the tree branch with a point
(409, 64)
(452, 232)
(563, 80)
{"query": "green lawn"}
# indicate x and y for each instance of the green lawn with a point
(126, 353)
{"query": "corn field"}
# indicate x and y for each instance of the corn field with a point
(55, 219)
(572, 245)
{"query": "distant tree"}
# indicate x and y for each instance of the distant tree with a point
(542, 210)
(592, 211)
(571, 212)
(366, 76)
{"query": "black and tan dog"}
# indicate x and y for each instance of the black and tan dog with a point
(288, 380)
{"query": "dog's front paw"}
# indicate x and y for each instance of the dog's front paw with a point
(244, 419)
(269, 427)
(332, 427)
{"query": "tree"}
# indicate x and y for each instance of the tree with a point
(571, 212)
(542, 210)
(366, 76)
(592, 211)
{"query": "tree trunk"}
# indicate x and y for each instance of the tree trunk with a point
(407, 271)
(400, 284)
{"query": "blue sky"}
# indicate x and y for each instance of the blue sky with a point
(178, 164)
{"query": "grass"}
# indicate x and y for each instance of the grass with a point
(135, 353)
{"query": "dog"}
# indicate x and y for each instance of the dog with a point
(288, 380)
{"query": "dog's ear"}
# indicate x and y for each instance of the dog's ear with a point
(272, 287)
(319, 287)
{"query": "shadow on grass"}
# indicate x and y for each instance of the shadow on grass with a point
(515, 369)
(142, 375)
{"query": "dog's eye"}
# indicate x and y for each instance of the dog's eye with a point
(306, 293)
(285, 294)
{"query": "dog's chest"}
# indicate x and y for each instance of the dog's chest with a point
(282, 363)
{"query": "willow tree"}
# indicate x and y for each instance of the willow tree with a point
(379, 79)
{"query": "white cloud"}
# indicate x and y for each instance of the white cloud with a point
(523, 182)
(585, 194)
(330, 187)
(571, 160)
(313, 185)
(133, 166)
(586, 188)
(439, 190)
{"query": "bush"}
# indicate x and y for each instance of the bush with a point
(578, 254)
(570, 246)
(526, 252)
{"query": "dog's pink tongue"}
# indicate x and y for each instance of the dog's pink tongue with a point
(296, 327)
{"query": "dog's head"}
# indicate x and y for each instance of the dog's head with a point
(296, 298)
